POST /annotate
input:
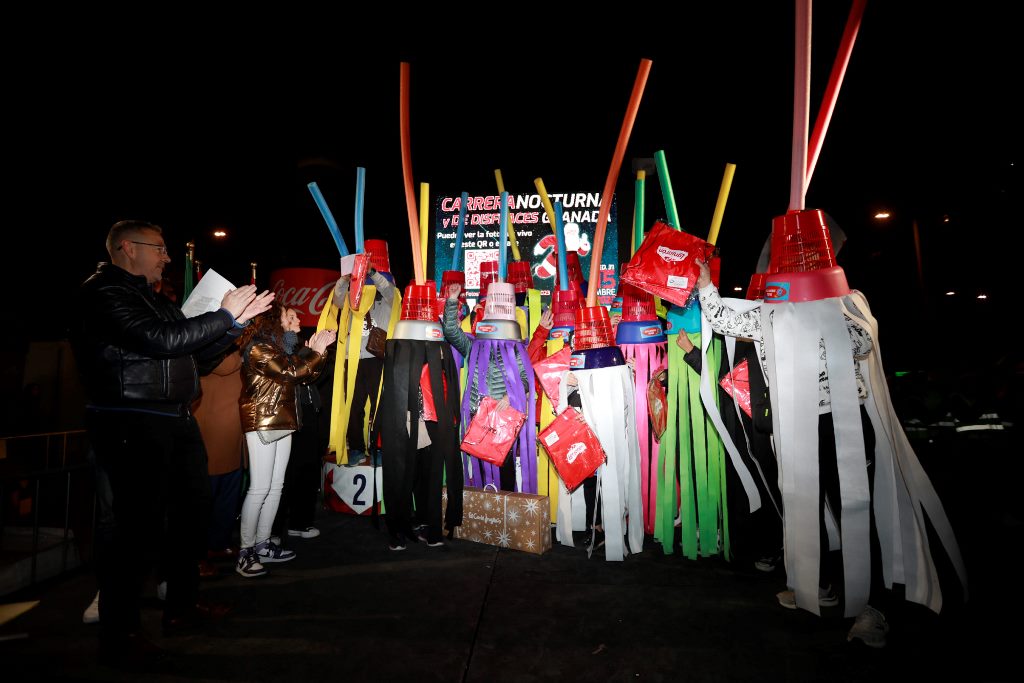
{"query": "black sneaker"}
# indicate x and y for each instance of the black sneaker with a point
(269, 551)
(767, 563)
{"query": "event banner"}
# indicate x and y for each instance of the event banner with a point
(534, 234)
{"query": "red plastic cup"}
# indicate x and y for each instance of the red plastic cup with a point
(801, 243)
(593, 329)
(564, 304)
(637, 305)
(755, 290)
(378, 251)
(420, 302)
(520, 275)
(488, 274)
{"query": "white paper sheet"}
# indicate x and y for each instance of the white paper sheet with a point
(207, 295)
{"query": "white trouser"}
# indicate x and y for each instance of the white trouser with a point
(267, 465)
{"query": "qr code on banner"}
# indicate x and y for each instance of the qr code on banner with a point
(474, 257)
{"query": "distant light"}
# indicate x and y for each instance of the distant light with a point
(950, 293)
(901, 373)
(737, 289)
(220, 233)
(882, 215)
(945, 219)
(983, 296)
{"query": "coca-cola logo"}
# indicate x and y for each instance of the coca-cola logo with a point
(651, 331)
(484, 328)
(575, 451)
(672, 255)
(304, 289)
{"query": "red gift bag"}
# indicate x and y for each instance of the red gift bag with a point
(492, 432)
(666, 264)
(550, 370)
(657, 403)
(737, 385)
(573, 447)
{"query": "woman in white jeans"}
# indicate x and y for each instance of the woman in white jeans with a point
(273, 365)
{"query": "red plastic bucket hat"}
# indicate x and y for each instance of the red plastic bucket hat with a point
(520, 275)
(803, 264)
(564, 304)
(420, 302)
(378, 251)
(488, 274)
(593, 329)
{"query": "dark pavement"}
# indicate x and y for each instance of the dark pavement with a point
(349, 609)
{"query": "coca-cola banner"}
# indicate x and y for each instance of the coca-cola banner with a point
(534, 235)
(304, 289)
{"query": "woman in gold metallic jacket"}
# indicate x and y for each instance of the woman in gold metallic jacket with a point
(273, 364)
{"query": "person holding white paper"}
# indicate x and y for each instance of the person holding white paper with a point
(137, 354)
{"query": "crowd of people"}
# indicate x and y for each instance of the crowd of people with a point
(210, 429)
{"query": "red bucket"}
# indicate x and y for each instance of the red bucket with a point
(637, 305)
(519, 275)
(378, 251)
(573, 267)
(488, 274)
(564, 304)
(420, 302)
(801, 243)
(593, 329)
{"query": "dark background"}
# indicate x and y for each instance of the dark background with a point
(204, 122)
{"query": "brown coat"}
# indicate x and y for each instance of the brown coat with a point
(216, 411)
(268, 386)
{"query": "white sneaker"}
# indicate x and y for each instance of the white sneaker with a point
(308, 532)
(91, 615)
(870, 627)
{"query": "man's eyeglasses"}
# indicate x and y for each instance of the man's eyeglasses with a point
(161, 249)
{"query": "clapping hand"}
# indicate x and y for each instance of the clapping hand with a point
(243, 304)
(321, 340)
(236, 300)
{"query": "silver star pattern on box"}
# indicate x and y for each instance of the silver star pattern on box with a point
(520, 521)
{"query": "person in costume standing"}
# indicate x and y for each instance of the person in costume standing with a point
(273, 364)
(869, 564)
(420, 456)
(370, 367)
(503, 362)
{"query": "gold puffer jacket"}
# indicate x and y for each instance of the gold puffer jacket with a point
(269, 379)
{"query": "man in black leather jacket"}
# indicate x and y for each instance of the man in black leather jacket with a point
(138, 356)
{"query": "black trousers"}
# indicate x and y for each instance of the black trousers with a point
(368, 376)
(159, 494)
(302, 478)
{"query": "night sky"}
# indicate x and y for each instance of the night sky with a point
(212, 125)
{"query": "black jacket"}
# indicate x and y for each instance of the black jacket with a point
(134, 348)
